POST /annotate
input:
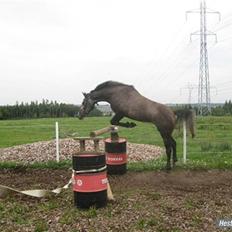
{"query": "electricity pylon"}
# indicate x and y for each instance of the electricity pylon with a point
(204, 101)
(190, 87)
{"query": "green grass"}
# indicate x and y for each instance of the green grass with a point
(15, 132)
(211, 148)
(41, 225)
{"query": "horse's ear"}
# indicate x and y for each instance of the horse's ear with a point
(85, 94)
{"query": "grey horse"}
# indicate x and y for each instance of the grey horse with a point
(126, 101)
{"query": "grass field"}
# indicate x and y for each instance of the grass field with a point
(15, 132)
(212, 146)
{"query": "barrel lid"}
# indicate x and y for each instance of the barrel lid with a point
(120, 140)
(88, 154)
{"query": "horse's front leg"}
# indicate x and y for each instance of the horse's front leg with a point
(116, 121)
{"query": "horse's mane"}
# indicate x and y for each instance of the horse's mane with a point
(108, 84)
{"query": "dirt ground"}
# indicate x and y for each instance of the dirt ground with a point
(145, 201)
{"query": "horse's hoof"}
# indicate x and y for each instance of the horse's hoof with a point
(132, 124)
(174, 163)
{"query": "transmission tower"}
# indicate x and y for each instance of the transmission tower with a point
(204, 103)
(190, 87)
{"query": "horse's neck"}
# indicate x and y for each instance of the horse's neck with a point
(100, 96)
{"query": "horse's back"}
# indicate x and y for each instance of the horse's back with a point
(141, 108)
(127, 101)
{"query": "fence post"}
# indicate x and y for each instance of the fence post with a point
(57, 143)
(184, 141)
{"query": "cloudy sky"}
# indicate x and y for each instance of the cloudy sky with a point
(55, 49)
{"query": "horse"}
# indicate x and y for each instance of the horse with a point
(126, 101)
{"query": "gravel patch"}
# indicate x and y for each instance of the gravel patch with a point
(46, 151)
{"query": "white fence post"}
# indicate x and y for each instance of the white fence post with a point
(57, 143)
(184, 141)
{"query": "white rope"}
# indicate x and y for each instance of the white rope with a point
(39, 193)
(5, 190)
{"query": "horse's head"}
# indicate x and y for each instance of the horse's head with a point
(86, 106)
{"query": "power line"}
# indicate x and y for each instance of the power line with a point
(225, 39)
(174, 50)
(171, 66)
(225, 83)
(223, 23)
(225, 26)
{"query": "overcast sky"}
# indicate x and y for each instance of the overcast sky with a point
(57, 49)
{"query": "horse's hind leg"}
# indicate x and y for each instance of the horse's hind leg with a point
(174, 151)
(168, 146)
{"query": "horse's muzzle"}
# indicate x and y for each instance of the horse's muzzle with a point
(80, 117)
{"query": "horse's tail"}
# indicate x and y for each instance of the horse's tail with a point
(189, 117)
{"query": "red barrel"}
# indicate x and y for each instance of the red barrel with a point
(89, 180)
(116, 156)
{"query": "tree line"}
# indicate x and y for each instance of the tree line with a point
(44, 109)
(223, 110)
(216, 110)
(53, 109)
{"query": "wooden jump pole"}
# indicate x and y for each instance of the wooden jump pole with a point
(103, 131)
